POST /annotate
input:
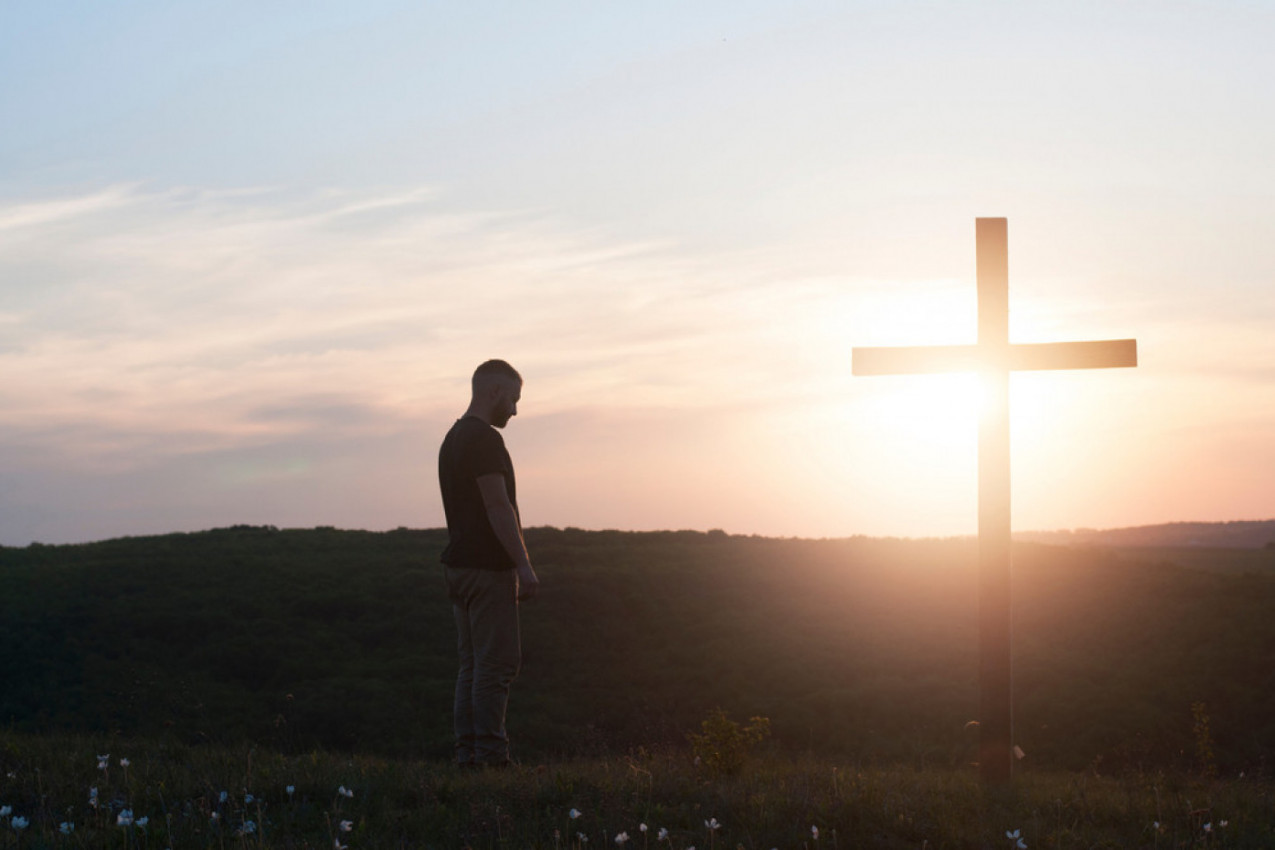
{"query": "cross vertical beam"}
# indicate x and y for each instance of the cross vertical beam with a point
(996, 721)
(993, 357)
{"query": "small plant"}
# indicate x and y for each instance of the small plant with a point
(723, 745)
(1203, 740)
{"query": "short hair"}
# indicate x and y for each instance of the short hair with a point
(495, 369)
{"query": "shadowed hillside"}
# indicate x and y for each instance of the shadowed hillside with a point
(1241, 534)
(860, 647)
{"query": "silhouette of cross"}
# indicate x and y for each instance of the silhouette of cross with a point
(994, 357)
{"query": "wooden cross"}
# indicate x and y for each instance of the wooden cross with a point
(994, 358)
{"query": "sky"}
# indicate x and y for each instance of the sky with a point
(250, 254)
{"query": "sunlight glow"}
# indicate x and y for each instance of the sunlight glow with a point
(934, 411)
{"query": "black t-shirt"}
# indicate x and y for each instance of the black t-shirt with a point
(471, 449)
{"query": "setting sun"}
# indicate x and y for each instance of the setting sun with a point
(929, 412)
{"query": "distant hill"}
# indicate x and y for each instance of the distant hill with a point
(1242, 534)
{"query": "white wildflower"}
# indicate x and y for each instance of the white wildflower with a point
(5, 811)
(662, 835)
(19, 823)
(142, 821)
(814, 833)
(347, 825)
(125, 762)
(584, 839)
(622, 839)
(248, 799)
(574, 813)
(66, 827)
(641, 827)
(1208, 827)
(345, 792)
(291, 789)
(223, 797)
(249, 827)
(337, 845)
(125, 818)
(712, 824)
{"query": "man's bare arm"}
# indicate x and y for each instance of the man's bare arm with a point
(504, 522)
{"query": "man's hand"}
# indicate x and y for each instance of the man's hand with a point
(528, 584)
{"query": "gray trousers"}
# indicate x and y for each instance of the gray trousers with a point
(485, 605)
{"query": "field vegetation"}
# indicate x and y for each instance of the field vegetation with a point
(250, 659)
(65, 791)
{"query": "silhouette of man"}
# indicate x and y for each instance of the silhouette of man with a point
(486, 563)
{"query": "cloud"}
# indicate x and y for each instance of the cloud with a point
(260, 335)
(196, 357)
(51, 212)
(142, 322)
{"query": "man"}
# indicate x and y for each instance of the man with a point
(486, 563)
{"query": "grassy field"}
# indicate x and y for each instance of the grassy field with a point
(861, 648)
(207, 685)
(83, 792)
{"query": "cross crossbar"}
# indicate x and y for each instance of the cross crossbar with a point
(936, 359)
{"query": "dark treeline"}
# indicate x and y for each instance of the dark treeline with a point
(863, 648)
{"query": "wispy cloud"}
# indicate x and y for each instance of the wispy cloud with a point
(179, 316)
(49, 212)
(257, 355)
(233, 356)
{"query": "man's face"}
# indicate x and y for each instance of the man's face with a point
(506, 406)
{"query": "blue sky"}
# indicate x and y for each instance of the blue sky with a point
(249, 254)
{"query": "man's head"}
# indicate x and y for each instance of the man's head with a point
(497, 387)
